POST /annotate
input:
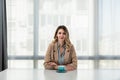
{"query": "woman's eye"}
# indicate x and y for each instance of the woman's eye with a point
(64, 33)
(59, 32)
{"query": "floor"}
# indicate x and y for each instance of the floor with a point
(41, 74)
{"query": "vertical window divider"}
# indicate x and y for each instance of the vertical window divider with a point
(36, 33)
(96, 34)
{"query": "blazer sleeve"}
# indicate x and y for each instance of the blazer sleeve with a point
(74, 57)
(48, 58)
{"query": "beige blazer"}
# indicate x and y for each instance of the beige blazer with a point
(52, 56)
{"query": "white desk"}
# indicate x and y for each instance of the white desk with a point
(39, 74)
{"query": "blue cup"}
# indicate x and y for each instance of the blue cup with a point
(61, 69)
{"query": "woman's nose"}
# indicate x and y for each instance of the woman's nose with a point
(61, 34)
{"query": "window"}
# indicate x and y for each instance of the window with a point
(20, 31)
(93, 26)
(75, 16)
(109, 30)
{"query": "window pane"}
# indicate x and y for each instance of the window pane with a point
(85, 64)
(109, 26)
(75, 14)
(20, 64)
(109, 64)
(20, 27)
(40, 64)
(109, 30)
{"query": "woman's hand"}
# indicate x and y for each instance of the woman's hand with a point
(69, 67)
(52, 63)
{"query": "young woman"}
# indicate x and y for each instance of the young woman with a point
(60, 51)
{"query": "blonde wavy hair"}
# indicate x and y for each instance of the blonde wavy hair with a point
(67, 40)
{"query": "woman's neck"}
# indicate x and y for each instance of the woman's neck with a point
(61, 43)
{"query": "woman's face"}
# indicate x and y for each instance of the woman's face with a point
(61, 35)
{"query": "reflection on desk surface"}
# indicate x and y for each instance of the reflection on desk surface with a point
(41, 74)
(53, 75)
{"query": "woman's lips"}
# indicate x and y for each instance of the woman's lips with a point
(61, 38)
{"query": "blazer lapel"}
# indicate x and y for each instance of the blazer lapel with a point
(56, 52)
(66, 56)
